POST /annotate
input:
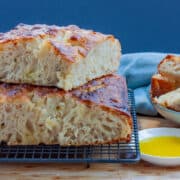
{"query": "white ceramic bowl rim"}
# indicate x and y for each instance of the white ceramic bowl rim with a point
(159, 129)
(166, 109)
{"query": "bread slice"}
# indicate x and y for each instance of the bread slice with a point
(65, 57)
(170, 67)
(161, 85)
(95, 113)
(170, 100)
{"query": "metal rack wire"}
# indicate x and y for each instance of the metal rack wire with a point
(114, 153)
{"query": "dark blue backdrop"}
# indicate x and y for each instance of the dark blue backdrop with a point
(141, 25)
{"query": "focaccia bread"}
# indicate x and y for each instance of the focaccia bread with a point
(169, 67)
(65, 57)
(95, 113)
(170, 100)
(161, 85)
(165, 86)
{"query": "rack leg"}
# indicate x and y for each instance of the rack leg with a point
(87, 165)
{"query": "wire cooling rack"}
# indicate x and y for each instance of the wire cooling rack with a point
(114, 153)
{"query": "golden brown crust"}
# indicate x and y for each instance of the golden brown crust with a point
(112, 141)
(71, 42)
(67, 51)
(109, 91)
(23, 31)
(161, 85)
(167, 58)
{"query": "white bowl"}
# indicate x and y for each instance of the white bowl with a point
(168, 113)
(154, 132)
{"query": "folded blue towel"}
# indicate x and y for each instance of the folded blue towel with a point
(138, 69)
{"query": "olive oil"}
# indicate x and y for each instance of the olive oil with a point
(164, 146)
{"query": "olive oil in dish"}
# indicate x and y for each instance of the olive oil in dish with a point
(163, 146)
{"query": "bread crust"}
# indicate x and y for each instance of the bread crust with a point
(170, 100)
(161, 85)
(107, 94)
(109, 91)
(69, 42)
(65, 57)
(169, 67)
(164, 86)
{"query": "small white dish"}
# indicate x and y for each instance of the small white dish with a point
(155, 132)
(168, 113)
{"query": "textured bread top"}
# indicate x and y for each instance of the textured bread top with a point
(109, 92)
(71, 42)
(170, 67)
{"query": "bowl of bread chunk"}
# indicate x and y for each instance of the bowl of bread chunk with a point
(165, 88)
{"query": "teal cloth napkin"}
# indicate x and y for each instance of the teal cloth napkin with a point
(138, 69)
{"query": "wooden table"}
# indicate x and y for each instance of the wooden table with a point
(140, 171)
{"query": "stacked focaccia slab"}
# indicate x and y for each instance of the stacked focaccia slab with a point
(58, 87)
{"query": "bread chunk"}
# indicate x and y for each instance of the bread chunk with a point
(65, 57)
(170, 67)
(161, 85)
(95, 113)
(170, 100)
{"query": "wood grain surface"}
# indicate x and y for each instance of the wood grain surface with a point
(139, 171)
